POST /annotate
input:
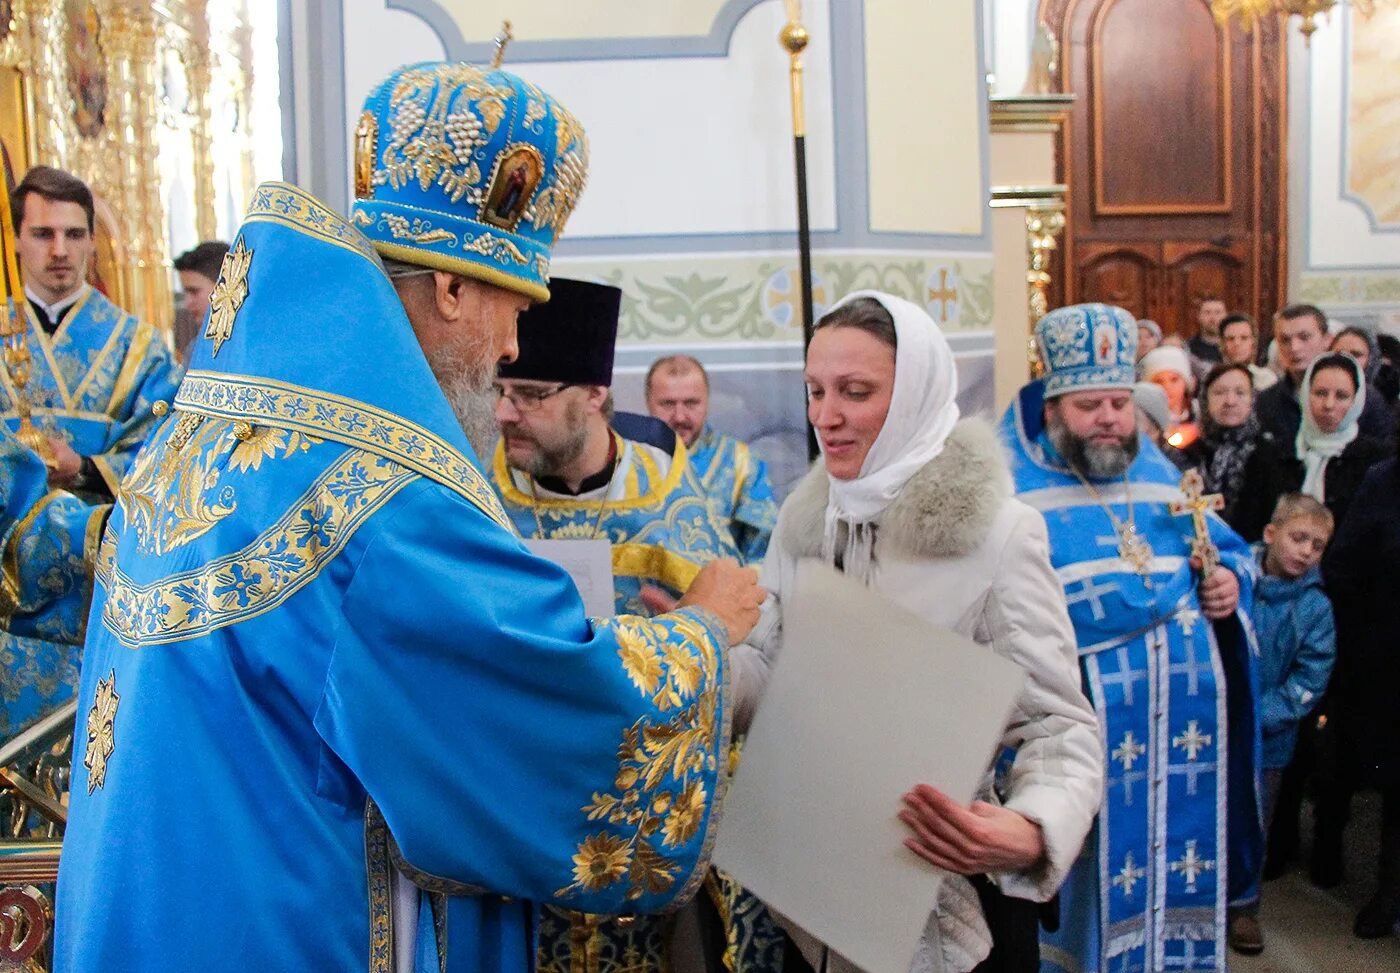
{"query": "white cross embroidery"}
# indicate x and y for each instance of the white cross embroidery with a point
(1190, 866)
(1187, 619)
(1129, 876)
(1128, 751)
(1193, 741)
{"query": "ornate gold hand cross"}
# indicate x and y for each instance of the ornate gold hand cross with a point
(1197, 504)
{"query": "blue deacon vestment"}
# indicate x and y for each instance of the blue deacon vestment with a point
(93, 384)
(1178, 836)
(48, 544)
(736, 481)
(317, 650)
(662, 531)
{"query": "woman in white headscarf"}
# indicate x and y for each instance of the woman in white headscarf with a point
(1327, 459)
(918, 506)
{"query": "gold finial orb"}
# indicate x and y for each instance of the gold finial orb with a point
(794, 37)
(160, 408)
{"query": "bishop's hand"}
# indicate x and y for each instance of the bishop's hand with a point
(1220, 594)
(969, 840)
(731, 592)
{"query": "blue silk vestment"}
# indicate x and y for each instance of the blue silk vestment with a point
(48, 544)
(92, 383)
(662, 531)
(736, 481)
(317, 650)
(1178, 836)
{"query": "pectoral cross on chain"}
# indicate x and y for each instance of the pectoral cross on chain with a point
(1197, 503)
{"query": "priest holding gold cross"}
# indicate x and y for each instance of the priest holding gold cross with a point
(1154, 580)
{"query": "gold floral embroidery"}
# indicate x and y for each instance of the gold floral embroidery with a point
(342, 420)
(262, 575)
(658, 799)
(175, 493)
(285, 204)
(101, 737)
(229, 294)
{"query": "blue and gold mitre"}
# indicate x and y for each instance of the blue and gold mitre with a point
(1085, 347)
(468, 170)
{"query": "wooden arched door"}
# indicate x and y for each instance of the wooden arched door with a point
(1174, 158)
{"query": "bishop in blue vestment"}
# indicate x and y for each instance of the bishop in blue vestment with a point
(1178, 834)
(333, 716)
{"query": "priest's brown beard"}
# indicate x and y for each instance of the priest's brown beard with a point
(1094, 462)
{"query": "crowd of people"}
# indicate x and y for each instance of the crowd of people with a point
(1301, 451)
(340, 707)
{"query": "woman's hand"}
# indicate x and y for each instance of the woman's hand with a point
(969, 841)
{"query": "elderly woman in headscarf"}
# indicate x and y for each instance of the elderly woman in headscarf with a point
(918, 505)
(1327, 459)
(1229, 432)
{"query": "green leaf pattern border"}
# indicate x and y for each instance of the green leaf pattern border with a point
(728, 299)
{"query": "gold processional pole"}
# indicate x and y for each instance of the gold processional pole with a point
(13, 328)
(794, 39)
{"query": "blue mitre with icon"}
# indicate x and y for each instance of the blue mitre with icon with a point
(1087, 347)
(469, 170)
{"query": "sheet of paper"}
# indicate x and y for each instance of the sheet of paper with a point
(589, 563)
(866, 700)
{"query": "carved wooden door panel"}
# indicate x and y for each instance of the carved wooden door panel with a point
(1173, 157)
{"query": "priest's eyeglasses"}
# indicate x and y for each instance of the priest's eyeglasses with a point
(527, 399)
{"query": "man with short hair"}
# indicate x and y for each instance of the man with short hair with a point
(1300, 335)
(735, 480)
(96, 373)
(1204, 345)
(333, 715)
(1163, 661)
(198, 269)
(1239, 341)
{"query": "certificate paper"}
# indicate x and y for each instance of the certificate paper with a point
(865, 701)
(589, 563)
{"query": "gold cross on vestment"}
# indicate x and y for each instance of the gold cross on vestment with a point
(1197, 504)
(501, 40)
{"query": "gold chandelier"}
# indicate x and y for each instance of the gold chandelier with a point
(1251, 11)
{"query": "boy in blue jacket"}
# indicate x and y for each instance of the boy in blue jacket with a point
(1297, 645)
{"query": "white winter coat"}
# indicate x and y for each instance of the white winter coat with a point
(958, 549)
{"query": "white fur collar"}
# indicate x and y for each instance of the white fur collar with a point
(945, 510)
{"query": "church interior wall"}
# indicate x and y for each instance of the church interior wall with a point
(691, 203)
(1345, 143)
(1344, 154)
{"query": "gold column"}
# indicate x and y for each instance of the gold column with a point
(197, 58)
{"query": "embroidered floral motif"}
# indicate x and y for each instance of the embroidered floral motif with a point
(279, 202)
(342, 420)
(101, 736)
(263, 574)
(229, 294)
(658, 799)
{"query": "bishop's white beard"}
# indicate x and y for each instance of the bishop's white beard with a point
(466, 381)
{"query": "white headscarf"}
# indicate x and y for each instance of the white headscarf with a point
(1315, 447)
(923, 411)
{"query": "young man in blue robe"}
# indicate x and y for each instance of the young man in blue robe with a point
(1167, 659)
(735, 480)
(333, 715)
(566, 474)
(96, 374)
